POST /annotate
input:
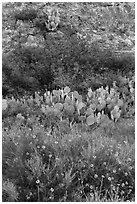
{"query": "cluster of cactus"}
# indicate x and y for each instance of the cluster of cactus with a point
(53, 20)
(105, 101)
(101, 104)
(126, 88)
(63, 103)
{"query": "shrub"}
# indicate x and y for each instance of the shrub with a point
(55, 167)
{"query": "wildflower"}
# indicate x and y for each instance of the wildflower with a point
(130, 168)
(56, 142)
(50, 155)
(119, 145)
(91, 187)
(52, 190)
(104, 163)
(27, 153)
(43, 147)
(92, 165)
(95, 176)
(91, 194)
(38, 146)
(122, 184)
(28, 197)
(38, 181)
(126, 174)
(109, 178)
(19, 116)
(34, 136)
(102, 176)
(113, 187)
(114, 171)
(119, 169)
(116, 154)
(48, 134)
(126, 183)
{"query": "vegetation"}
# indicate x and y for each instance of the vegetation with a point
(53, 45)
(68, 104)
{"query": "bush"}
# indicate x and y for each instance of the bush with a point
(75, 64)
(49, 167)
(28, 69)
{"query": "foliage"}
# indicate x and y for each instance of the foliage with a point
(68, 104)
(91, 19)
(68, 167)
(56, 145)
(100, 105)
(10, 193)
(34, 33)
